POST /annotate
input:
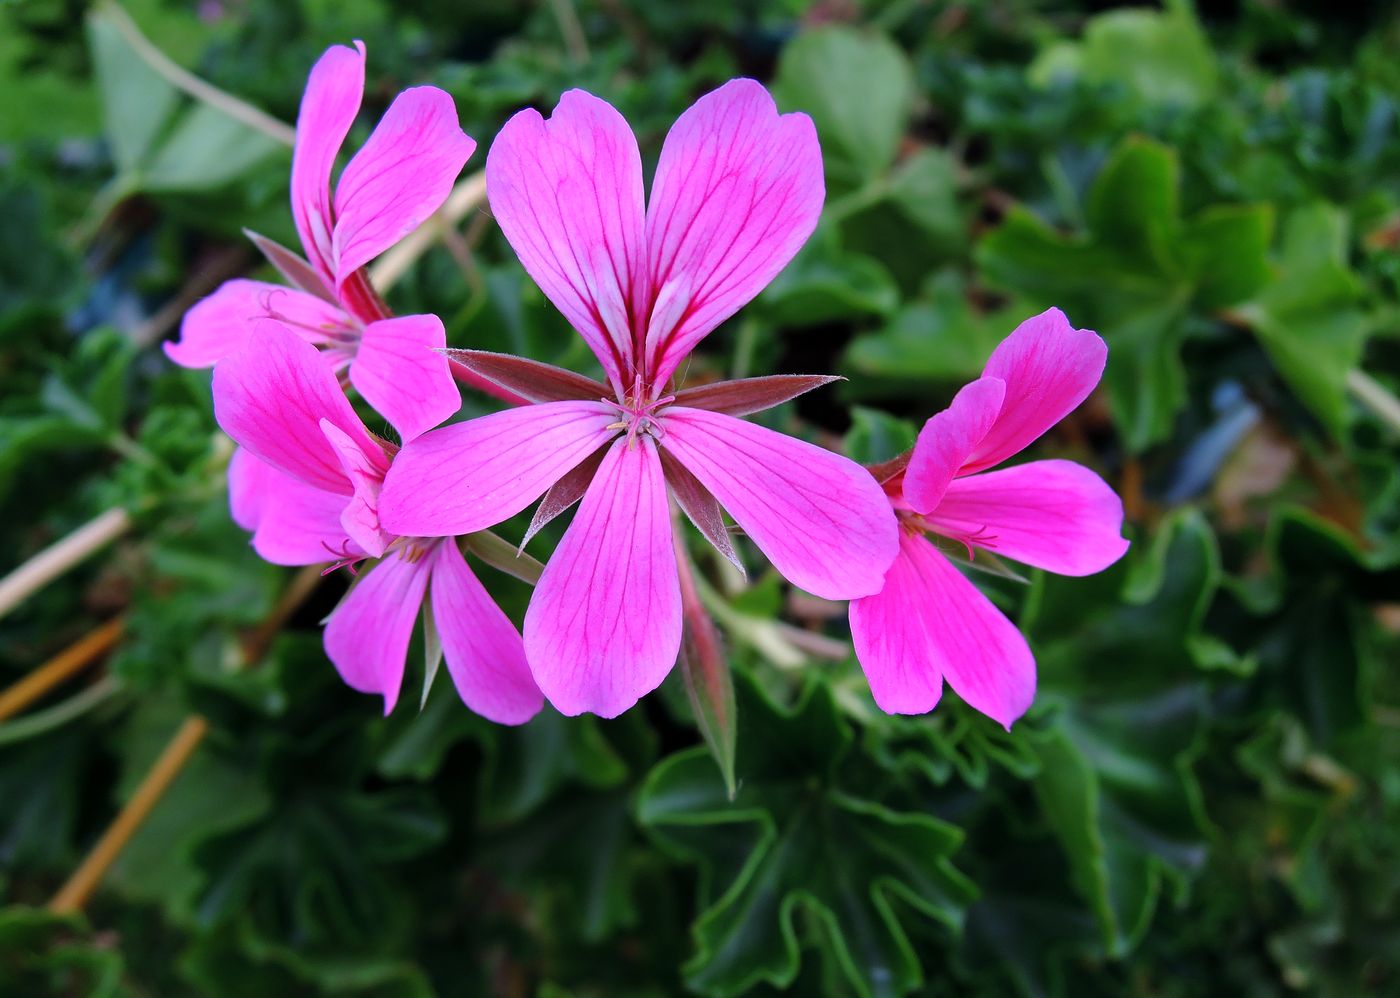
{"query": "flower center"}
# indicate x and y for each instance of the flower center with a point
(639, 414)
(969, 534)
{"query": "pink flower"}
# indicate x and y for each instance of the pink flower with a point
(737, 191)
(397, 179)
(929, 623)
(306, 480)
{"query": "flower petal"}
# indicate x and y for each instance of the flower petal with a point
(738, 190)
(947, 439)
(604, 626)
(367, 635)
(221, 324)
(360, 516)
(328, 109)
(1055, 515)
(567, 192)
(293, 523)
(400, 371)
(400, 176)
(934, 621)
(271, 397)
(472, 475)
(1049, 367)
(821, 519)
(893, 641)
(484, 652)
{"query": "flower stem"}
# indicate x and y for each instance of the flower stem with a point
(200, 90)
(74, 893)
(707, 680)
(1376, 397)
(60, 556)
(64, 665)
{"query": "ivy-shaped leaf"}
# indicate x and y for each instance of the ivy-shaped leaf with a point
(794, 840)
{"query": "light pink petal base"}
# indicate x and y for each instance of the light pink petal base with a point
(1055, 515)
(400, 370)
(484, 652)
(604, 626)
(820, 519)
(367, 635)
(472, 475)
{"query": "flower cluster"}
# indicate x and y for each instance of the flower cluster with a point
(643, 279)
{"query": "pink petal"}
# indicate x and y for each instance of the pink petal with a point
(567, 192)
(933, 621)
(293, 523)
(271, 397)
(1049, 368)
(821, 519)
(604, 626)
(360, 516)
(367, 635)
(328, 109)
(472, 475)
(947, 439)
(484, 652)
(1055, 515)
(893, 639)
(400, 371)
(738, 190)
(401, 175)
(221, 324)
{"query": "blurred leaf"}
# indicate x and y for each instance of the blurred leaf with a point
(1310, 318)
(857, 86)
(137, 101)
(1161, 57)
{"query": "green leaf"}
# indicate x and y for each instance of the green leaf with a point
(877, 436)
(137, 101)
(825, 284)
(857, 86)
(793, 840)
(936, 337)
(45, 954)
(1310, 318)
(1135, 276)
(1160, 57)
(207, 149)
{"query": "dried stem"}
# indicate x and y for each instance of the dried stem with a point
(200, 90)
(74, 894)
(60, 556)
(1376, 397)
(64, 665)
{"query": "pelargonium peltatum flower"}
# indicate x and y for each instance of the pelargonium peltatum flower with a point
(738, 189)
(306, 479)
(929, 623)
(401, 175)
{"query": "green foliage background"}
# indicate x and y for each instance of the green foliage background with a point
(1206, 795)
